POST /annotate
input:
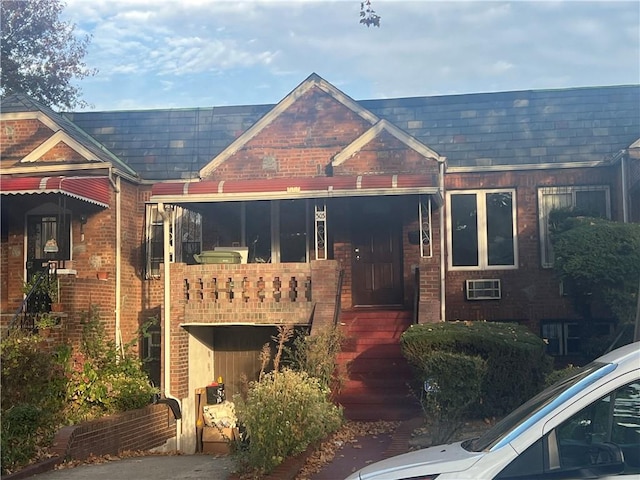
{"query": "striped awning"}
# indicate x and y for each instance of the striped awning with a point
(95, 190)
(290, 188)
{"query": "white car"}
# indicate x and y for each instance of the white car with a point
(587, 426)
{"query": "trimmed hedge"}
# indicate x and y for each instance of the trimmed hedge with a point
(516, 363)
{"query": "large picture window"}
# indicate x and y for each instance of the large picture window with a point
(481, 227)
(590, 200)
(267, 231)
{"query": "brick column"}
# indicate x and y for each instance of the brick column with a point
(324, 281)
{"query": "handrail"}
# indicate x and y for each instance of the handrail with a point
(338, 304)
(416, 294)
(22, 309)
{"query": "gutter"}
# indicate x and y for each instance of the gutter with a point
(166, 315)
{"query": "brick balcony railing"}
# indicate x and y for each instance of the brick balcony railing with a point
(244, 293)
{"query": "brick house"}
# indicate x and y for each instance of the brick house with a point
(432, 208)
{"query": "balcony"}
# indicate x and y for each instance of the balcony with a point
(256, 293)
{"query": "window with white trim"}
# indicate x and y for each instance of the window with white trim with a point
(589, 200)
(482, 229)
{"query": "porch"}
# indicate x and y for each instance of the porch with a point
(255, 293)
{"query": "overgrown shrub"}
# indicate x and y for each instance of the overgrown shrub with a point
(452, 384)
(104, 380)
(42, 390)
(598, 262)
(32, 396)
(284, 412)
(516, 362)
(317, 356)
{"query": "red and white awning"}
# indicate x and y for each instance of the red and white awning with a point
(95, 190)
(290, 188)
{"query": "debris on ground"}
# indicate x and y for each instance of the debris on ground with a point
(349, 433)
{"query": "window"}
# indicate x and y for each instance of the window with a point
(611, 420)
(592, 201)
(185, 225)
(562, 338)
(481, 229)
(48, 235)
(273, 231)
(293, 220)
(600, 441)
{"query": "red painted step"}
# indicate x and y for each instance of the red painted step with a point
(379, 378)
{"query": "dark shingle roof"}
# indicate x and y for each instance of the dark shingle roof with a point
(488, 129)
(524, 127)
(169, 144)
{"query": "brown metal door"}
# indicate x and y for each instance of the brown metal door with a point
(376, 255)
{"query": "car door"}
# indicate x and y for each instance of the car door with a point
(601, 440)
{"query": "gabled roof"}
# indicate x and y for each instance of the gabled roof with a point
(20, 106)
(373, 132)
(313, 81)
(503, 130)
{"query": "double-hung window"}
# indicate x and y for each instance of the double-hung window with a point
(482, 229)
(591, 200)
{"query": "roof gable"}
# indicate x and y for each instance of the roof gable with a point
(377, 132)
(40, 154)
(309, 91)
(67, 144)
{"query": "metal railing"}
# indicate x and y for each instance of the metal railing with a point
(24, 316)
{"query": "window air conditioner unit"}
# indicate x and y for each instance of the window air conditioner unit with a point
(484, 289)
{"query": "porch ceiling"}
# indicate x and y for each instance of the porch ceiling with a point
(94, 190)
(290, 188)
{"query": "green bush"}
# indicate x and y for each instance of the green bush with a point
(32, 395)
(556, 375)
(516, 362)
(452, 384)
(284, 412)
(21, 430)
(103, 379)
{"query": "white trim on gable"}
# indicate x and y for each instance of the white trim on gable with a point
(411, 142)
(40, 116)
(312, 81)
(635, 144)
(52, 141)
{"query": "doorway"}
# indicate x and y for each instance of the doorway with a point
(376, 257)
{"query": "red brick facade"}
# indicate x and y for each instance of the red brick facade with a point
(314, 132)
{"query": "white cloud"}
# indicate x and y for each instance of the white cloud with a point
(256, 51)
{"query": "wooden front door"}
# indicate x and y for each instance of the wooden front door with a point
(376, 257)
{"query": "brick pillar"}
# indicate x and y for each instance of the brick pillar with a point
(324, 282)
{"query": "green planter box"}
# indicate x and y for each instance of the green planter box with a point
(218, 257)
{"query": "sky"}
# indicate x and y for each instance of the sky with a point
(203, 53)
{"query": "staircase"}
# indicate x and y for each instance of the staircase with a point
(378, 376)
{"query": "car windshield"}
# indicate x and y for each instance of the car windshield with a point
(517, 421)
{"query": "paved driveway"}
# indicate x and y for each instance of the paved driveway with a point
(157, 467)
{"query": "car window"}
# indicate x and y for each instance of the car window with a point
(601, 439)
(520, 419)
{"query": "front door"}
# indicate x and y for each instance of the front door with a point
(376, 256)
